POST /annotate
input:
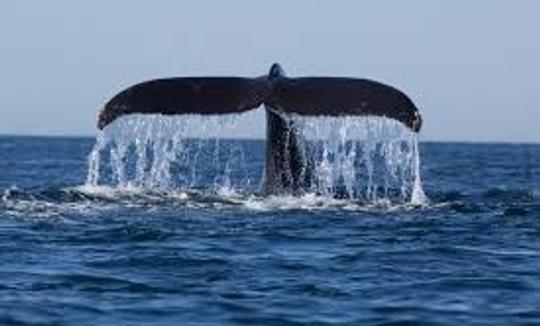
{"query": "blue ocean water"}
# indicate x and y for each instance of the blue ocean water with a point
(70, 256)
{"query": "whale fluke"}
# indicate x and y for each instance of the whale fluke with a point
(288, 167)
(191, 95)
(315, 96)
(331, 96)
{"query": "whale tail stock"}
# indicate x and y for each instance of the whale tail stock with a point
(314, 96)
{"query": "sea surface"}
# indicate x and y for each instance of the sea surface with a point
(71, 254)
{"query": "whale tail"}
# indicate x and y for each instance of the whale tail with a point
(312, 96)
(287, 168)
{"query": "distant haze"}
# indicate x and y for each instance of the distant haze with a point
(472, 67)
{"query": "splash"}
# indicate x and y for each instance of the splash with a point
(418, 196)
(166, 153)
(371, 160)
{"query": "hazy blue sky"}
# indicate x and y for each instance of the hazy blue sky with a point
(473, 67)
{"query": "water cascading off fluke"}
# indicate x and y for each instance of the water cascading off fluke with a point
(356, 158)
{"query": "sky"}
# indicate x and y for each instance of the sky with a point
(472, 67)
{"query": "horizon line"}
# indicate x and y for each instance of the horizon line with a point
(499, 142)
